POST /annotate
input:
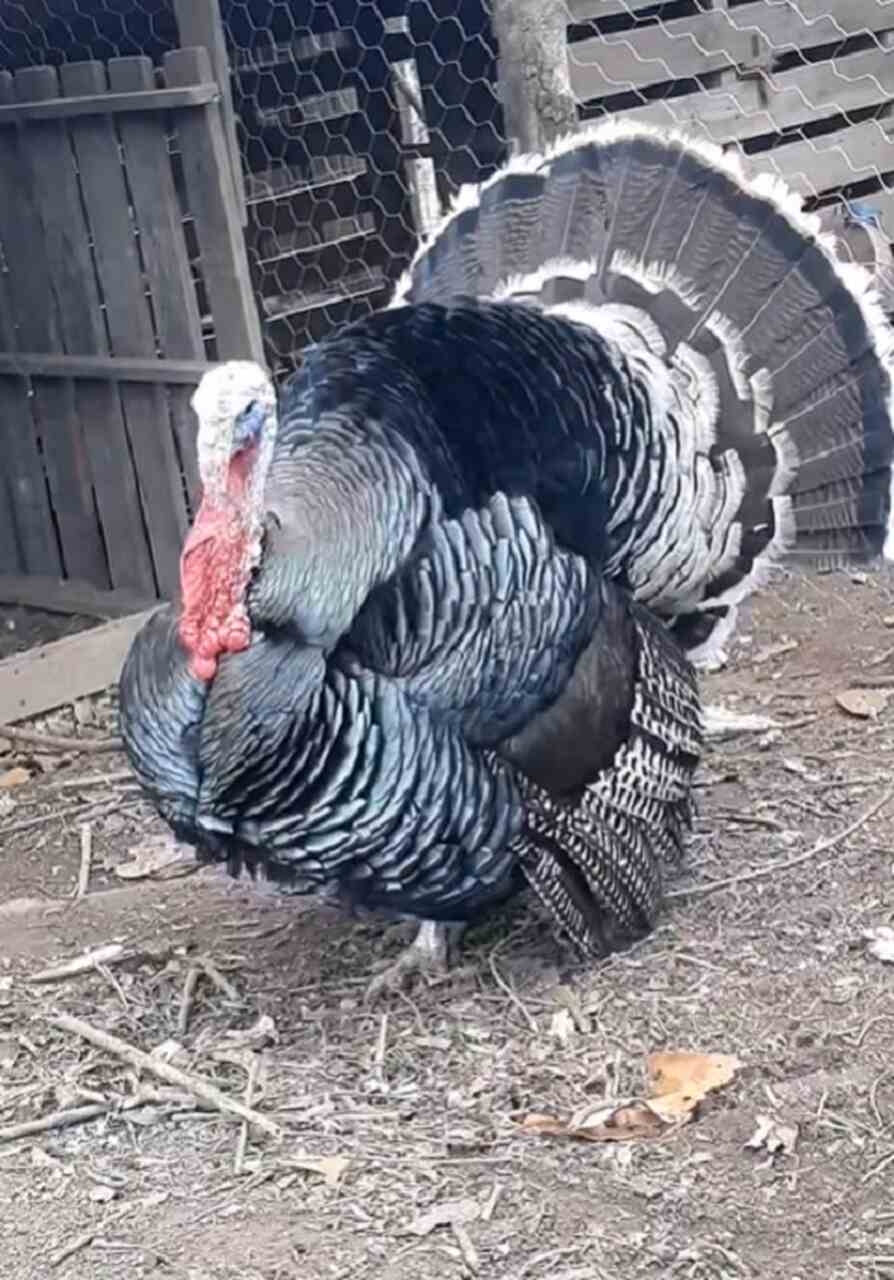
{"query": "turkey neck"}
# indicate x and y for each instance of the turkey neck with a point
(346, 503)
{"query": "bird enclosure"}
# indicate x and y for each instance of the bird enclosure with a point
(195, 179)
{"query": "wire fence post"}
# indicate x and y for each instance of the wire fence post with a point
(535, 87)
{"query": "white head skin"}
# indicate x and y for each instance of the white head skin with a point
(236, 407)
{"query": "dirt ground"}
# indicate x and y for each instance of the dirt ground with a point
(414, 1105)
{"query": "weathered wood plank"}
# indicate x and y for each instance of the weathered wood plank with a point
(27, 295)
(217, 218)
(83, 329)
(159, 220)
(116, 253)
(50, 173)
(163, 246)
(200, 25)
(54, 674)
(593, 10)
(833, 160)
(40, 364)
(748, 36)
(55, 595)
(761, 105)
(66, 108)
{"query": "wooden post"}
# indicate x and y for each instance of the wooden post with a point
(535, 88)
(212, 204)
(200, 23)
(414, 131)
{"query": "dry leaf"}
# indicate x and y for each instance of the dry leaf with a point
(329, 1168)
(452, 1213)
(865, 704)
(151, 859)
(259, 1035)
(16, 777)
(622, 1122)
(773, 1137)
(562, 1027)
(681, 1080)
(881, 943)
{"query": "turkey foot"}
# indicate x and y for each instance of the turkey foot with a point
(427, 954)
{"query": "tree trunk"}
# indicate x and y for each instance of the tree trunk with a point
(538, 105)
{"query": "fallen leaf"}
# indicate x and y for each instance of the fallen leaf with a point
(620, 1122)
(881, 943)
(681, 1080)
(774, 1137)
(16, 777)
(102, 1194)
(865, 704)
(329, 1168)
(151, 859)
(452, 1213)
(259, 1035)
(562, 1027)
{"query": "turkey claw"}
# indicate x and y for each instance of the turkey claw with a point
(428, 955)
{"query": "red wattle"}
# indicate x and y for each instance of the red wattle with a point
(214, 576)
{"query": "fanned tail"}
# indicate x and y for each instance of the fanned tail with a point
(596, 862)
(765, 356)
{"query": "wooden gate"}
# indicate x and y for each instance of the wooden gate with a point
(124, 274)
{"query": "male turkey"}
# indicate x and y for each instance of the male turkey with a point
(440, 605)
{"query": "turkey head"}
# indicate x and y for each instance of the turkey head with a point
(236, 408)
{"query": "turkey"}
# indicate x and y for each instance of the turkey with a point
(444, 594)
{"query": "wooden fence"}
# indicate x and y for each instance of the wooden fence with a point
(803, 87)
(119, 225)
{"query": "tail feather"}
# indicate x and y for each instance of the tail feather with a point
(596, 861)
(765, 356)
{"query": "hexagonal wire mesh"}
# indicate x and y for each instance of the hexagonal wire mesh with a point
(358, 120)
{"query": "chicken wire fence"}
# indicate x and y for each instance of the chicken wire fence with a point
(357, 122)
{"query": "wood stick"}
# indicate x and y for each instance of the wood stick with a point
(821, 846)
(111, 954)
(248, 1098)
(186, 999)
(86, 860)
(55, 1120)
(201, 1089)
(58, 742)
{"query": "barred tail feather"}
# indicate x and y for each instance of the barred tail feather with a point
(766, 355)
(596, 862)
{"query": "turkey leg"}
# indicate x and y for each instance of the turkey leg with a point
(428, 953)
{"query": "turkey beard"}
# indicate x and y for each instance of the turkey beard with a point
(221, 551)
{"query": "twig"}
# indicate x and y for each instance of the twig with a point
(248, 1098)
(84, 1241)
(466, 1248)
(507, 990)
(86, 859)
(77, 1115)
(822, 846)
(73, 1247)
(91, 779)
(57, 742)
(111, 954)
(216, 978)
(201, 1089)
(381, 1048)
(186, 1000)
(55, 1120)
